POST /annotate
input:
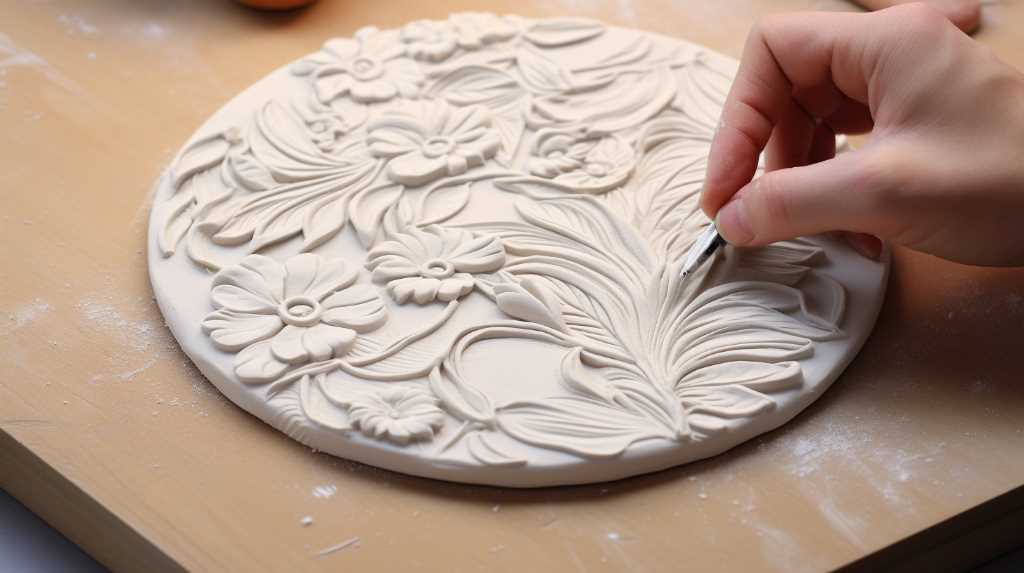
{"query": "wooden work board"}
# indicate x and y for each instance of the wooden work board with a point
(913, 458)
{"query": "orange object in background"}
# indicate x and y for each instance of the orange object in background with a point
(275, 4)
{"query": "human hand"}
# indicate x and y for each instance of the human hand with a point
(943, 171)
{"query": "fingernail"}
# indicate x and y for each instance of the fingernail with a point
(733, 223)
(868, 246)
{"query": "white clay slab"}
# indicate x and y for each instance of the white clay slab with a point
(452, 250)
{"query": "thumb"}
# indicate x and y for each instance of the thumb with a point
(839, 194)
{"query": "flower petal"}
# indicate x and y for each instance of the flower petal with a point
(256, 364)
(408, 87)
(241, 300)
(313, 276)
(457, 164)
(402, 289)
(391, 140)
(373, 91)
(425, 290)
(415, 169)
(387, 266)
(258, 274)
(287, 345)
(465, 119)
(342, 48)
(231, 331)
(481, 254)
(323, 341)
(429, 243)
(332, 82)
(300, 272)
(454, 287)
(359, 308)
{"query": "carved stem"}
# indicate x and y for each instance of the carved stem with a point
(401, 343)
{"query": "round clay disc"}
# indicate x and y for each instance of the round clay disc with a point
(453, 250)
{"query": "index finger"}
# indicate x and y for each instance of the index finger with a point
(824, 53)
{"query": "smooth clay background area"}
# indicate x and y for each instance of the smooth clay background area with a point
(112, 435)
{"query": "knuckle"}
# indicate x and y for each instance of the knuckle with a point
(920, 16)
(748, 121)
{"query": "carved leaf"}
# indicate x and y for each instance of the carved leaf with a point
(510, 128)
(662, 201)
(282, 144)
(461, 400)
(269, 218)
(367, 209)
(757, 321)
(478, 85)
(318, 406)
(735, 401)
(769, 377)
(551, 33)
(529, 300)
(177, 222)
(594, 263)
(250, 173)
(626, 103)
(540, 73)
(578, 424)
(199, 156)
(322, 221)
(631, 53)
(577, 378)
(442, 202)
(702, 92)
(483, 451)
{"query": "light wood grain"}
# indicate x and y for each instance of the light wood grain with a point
(110, 434)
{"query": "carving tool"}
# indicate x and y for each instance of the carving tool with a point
(706, 244)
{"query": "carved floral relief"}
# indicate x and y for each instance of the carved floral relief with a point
(393, 137)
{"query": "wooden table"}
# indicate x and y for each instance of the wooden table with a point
(109, 433)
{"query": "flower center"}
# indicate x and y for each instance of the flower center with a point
(394, 414)
(300, 311)
(438, 146)
(364, 68)
(596, 169)
(437, 269)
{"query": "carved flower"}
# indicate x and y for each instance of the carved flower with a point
(369, 68)
(477, 29)
(401, 415)
(434, 41)
(434, 263)
(274, 315)
(590, 165)
(428, 40)
(326, 126)
(426, 140)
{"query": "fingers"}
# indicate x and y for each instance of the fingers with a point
(823, 144)
(817, 62)
(836, 194)
(791, 139)
(850, 117)
(965, 14)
